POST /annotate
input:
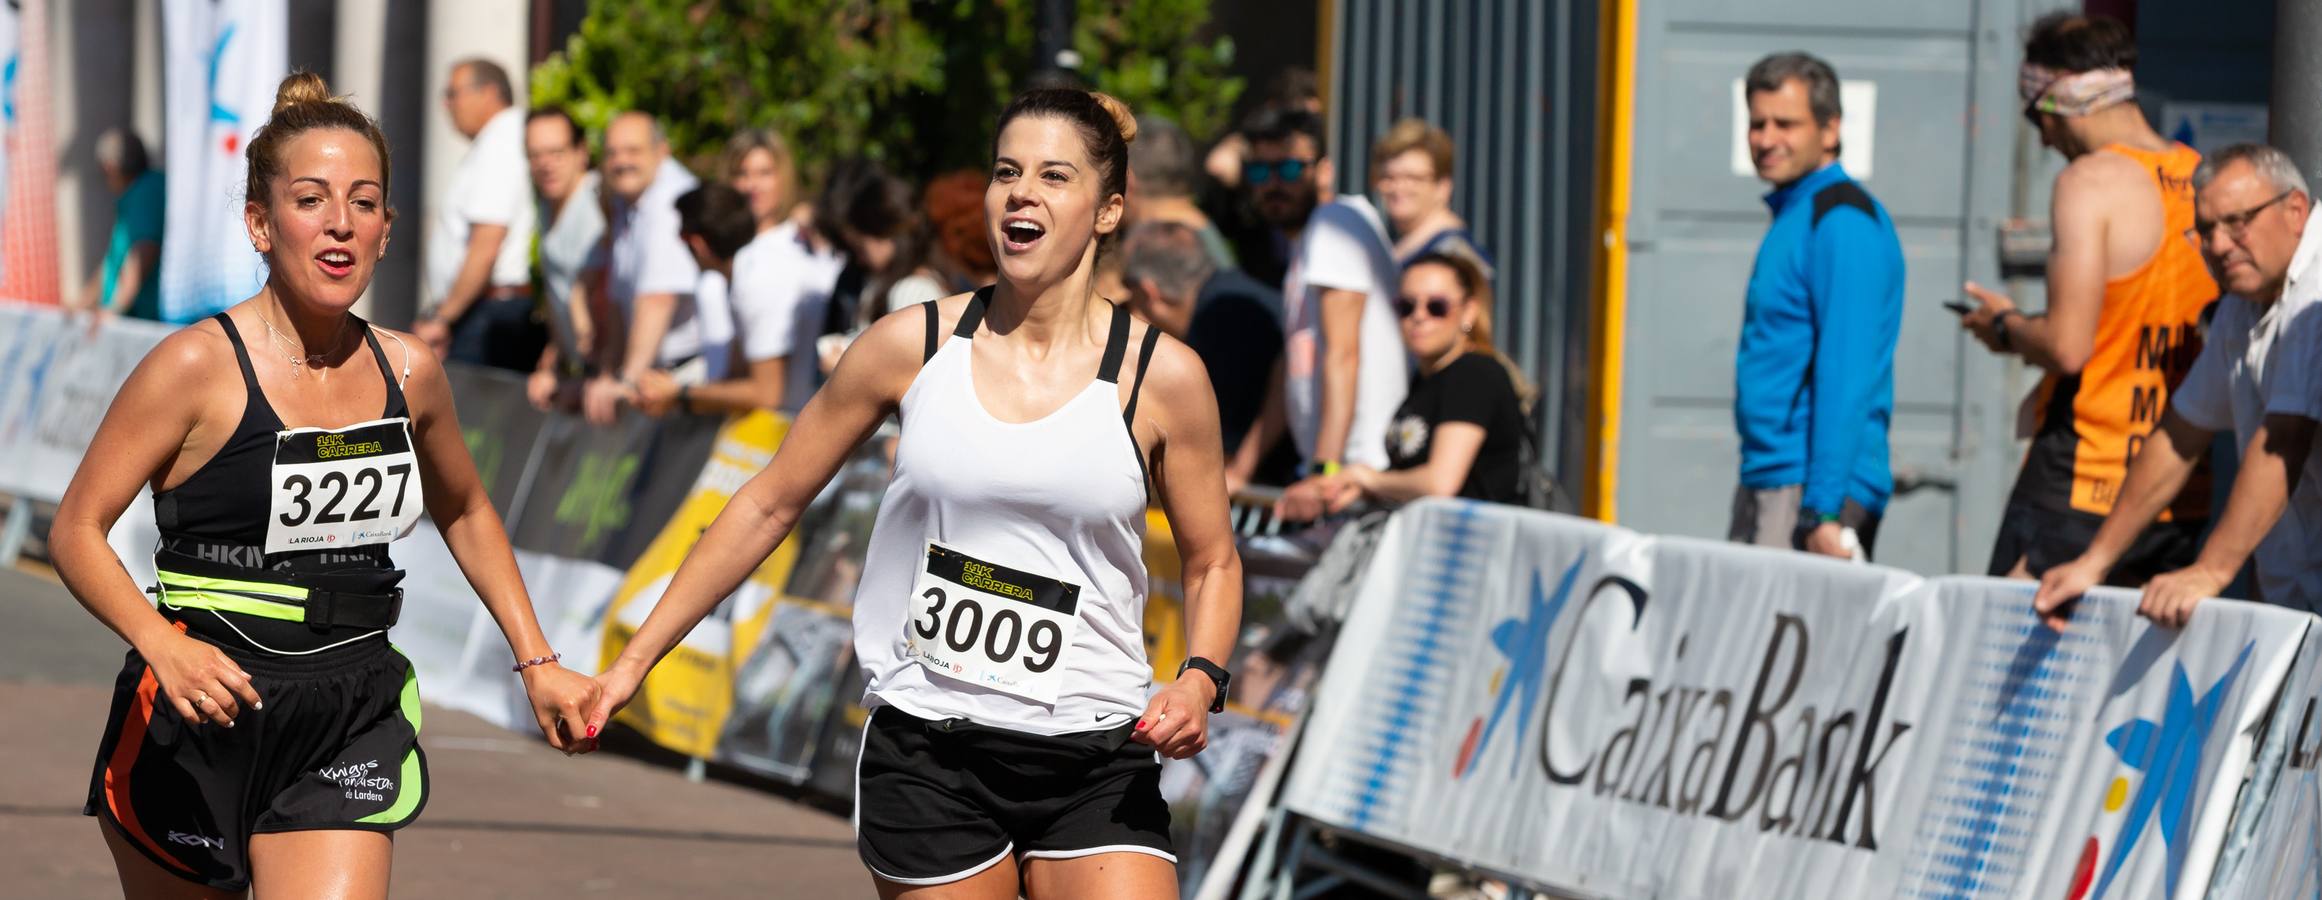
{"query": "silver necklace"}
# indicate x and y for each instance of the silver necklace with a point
(299, 360)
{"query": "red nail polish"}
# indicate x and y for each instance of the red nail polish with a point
(592, 731)
(1140, 724)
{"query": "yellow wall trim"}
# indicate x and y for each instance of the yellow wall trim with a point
(1616, 120)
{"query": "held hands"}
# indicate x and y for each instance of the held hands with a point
(617, 686)
(561, 701)
(200, 681)
(1176, 720)
(1983, 321)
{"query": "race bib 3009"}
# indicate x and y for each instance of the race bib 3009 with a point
(990, 625)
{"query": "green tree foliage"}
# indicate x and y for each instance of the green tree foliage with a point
(914, 83)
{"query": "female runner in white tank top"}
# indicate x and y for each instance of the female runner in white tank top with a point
(1015, 724)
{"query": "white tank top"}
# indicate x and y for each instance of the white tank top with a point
(1005, 580)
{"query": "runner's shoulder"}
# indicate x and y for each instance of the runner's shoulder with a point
(406, 352)
(892, 350)
(2101, 170)
(197, 351)
(1176, 371)
(905, 330)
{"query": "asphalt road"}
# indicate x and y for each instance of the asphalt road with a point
(507, 817)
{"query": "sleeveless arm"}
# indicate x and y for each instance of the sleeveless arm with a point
(866, 388)
(478, 540)
(1189, 473)
(147, 425)
(2062, 339)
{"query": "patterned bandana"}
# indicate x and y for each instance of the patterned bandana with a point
(2073, 93)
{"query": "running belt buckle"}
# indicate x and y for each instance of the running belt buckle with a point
(377, 611)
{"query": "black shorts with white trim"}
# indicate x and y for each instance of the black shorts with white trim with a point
(937, 801)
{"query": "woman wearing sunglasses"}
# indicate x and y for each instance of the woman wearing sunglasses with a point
(1460, 430)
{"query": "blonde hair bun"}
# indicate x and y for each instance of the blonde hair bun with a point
(302, 87)
(1123, 119)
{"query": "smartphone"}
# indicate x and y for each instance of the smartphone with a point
(1961, 307)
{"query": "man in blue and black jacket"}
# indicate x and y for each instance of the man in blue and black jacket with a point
(1814, 384)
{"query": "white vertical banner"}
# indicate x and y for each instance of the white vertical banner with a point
(224, 59)
(7, 90)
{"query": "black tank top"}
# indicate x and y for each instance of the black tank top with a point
(219, 514)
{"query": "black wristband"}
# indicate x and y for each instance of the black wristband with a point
(1216, 673)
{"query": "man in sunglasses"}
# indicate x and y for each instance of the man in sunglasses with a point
(2125, 299)
(1343, 369)
(2260, 375)
(1814, 381)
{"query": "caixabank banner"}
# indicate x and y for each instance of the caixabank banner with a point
(1611, 714)
(2275, 849)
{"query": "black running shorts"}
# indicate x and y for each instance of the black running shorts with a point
(2044, 539)
(938, 801)
(335, 748)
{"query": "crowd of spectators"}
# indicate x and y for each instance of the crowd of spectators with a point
(664, 290)
(2180, 293)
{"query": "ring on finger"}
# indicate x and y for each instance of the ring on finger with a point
(201, 698)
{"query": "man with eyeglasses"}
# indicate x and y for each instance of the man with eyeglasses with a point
(479, 250)
(572, 208)
(1814, 373)
(1343, 370)
(2260, 374)
(2125, 299)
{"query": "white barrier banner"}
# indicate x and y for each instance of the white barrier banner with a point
(56, 379)
(1606, 713)
(2276, 850)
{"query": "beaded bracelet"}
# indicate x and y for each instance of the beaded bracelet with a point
(537, 661)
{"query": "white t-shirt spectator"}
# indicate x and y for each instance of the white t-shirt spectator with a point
(1344, 247)
(780, 293)
(492, 186)
(567, 248)
(649, 258)
(714, 317)
(2262, 361)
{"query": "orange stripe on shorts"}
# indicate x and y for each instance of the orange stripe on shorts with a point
(124, 758)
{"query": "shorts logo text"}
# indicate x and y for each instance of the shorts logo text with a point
(360, 781)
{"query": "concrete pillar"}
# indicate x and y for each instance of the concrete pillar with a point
(457, 30)
(145, 55)
(358, 69)
(2296, 125)
(398, 99)
(93, 82)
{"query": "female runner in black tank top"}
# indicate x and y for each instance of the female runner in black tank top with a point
(262, 730)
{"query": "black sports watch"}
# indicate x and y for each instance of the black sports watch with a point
(1216, 673)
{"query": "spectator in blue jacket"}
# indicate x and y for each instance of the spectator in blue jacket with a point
(1814, 382)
